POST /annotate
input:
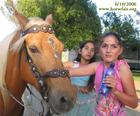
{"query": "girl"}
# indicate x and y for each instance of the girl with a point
(121, 83)
(85, 99)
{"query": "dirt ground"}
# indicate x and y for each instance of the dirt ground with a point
(135, 112)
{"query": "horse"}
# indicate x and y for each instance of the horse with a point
(32, 54)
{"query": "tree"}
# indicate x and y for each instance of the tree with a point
(124, 25)
(75, 20)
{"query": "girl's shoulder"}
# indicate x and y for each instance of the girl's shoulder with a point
(97, 65)
(122, 64)
(123, 69)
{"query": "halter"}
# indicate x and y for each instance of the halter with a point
(36, 28)
(55, 73)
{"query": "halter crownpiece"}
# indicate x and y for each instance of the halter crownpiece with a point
(37, 28)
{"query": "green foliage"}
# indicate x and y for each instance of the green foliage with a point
(30, 8)
(136, 76)
(75, 20)
(124, 25)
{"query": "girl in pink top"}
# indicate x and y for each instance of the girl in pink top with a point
(122, 90)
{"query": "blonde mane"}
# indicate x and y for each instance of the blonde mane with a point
(4, 46)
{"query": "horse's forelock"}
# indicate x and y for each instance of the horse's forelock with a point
(18, 44)
(35, 21)
(32, 21)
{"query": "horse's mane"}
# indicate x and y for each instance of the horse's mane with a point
(4, 46)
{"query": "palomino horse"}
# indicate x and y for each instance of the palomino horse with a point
(33, 55)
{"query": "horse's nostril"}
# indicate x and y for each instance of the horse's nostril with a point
(63, 99)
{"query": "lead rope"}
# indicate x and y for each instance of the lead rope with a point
(14, 98)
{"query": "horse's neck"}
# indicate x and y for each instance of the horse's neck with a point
(14, 82)
(4, 46)
(12, 77)
(13, 85)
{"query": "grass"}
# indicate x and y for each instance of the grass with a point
(136, 76)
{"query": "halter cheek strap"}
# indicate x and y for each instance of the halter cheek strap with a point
(55, 73)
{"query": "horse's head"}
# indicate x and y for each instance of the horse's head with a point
(40, 63)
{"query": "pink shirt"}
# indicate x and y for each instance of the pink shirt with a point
(110, 105)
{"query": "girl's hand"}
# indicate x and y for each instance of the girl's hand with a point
(111, 82)
(84, 90)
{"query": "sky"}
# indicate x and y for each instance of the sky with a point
(6, 26)
(127, 7)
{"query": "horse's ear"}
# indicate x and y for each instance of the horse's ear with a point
(49, 19)
(21, 18)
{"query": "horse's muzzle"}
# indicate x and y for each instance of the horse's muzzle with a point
(61, 102)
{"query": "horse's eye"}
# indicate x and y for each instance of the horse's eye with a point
(33, 49)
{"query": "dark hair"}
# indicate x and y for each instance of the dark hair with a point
(78, 58)
(82, 45)
(116, 35)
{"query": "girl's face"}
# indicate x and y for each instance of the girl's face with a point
(110, 49)
(87, 51)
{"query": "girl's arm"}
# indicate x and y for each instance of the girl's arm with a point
(128, 97)
(83, 70)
